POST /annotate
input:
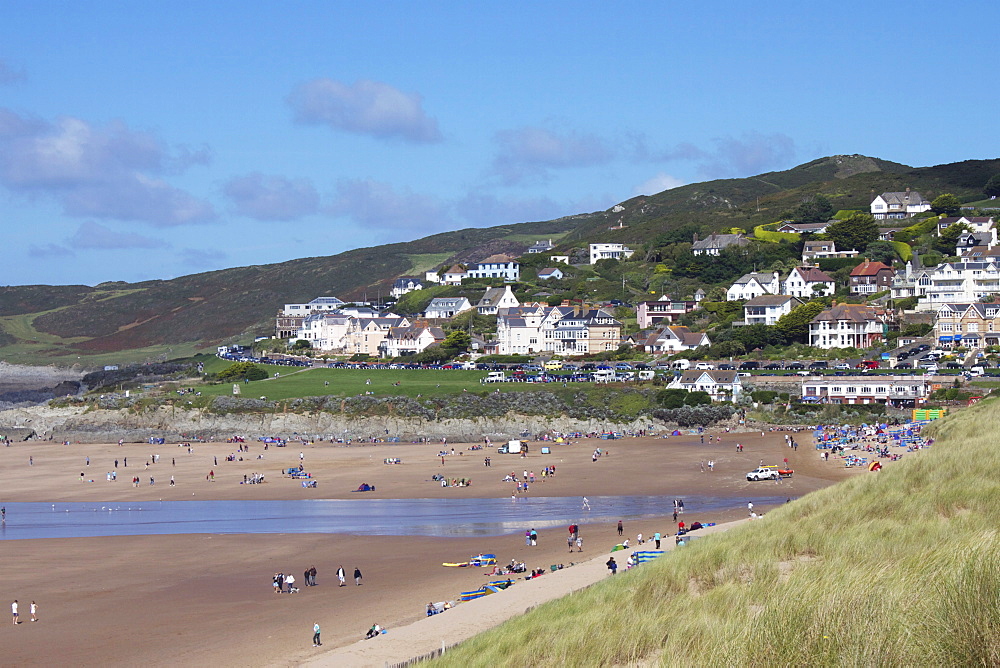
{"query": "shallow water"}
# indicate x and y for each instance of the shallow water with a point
(374, 517)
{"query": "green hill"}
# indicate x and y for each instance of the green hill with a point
(898, 568)
(115, 322)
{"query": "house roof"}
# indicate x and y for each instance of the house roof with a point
(771, 300)
(403, 281)
(813, 245)
(848, 313)
(759, 276)
(326, 300)
(869, 268)
(812, 275)
(719, 241)
(548, 271)
(805, 227)
(692, 376)
(446, 302)
(498, 258)
(951, 220)
(455, 269)
(904, 198)
(492, 296)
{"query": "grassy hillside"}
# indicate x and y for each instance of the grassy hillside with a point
(118, 322)
(898, 568)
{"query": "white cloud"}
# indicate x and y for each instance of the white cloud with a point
(529, 153)
(96, 171)
(658, 183)
(272, 197)
(91, 235)
(9, 75)
(48, 251)
(364, 107)
(379, 205)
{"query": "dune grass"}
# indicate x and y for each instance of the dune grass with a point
(898, 568)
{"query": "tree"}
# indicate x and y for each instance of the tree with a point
(794, 325)
(242, 371)
(457, 341)
(881, 251)
(856, 231)
(816, 210)
(992, 187)
(302, 344)
(946, 204)
(949, 238)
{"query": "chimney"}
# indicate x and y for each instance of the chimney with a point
(696, 237)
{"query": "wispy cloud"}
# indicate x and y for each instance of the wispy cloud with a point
(9, 75)
(529, 153)
(272, 198)
(656, 184)
(749, 154)
(106, 171)
(201, 259)
(94, 236)
(380, 205)
(49, 251)
(365, 107)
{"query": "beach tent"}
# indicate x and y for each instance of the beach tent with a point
(365, 487)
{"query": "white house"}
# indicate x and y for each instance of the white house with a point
(714, 244)
(809, 282)
(446, 307)
(609, 252)
(896, 390)
(848, 326)
(405, 284)
(951, 282)
(495, 299)
(541, 246)
(496, 266)
(432, 276)
(766, 309)
(675, 338)
(325, 331)
(720, 385)
(290, 318)
(899, 204)
(400, 341)
(801, 228)
(550, 272)
(978, 224)
(581, 333)
(519, 330)
(817, 250)
(454, 275)
(753, 285)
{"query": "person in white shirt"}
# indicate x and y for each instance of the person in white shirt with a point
(13, 610)
(34, 611)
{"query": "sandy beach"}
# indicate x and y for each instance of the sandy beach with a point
(162, 600)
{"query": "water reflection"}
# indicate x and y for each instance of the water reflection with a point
(374, 517)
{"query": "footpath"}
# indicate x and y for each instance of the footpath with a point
(431, 634)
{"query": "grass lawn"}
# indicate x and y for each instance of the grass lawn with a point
(292, 384)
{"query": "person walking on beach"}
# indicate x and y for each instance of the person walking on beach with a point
(579, 543)
(316, 642)
(750, 507)
(13, 611)
(534, 538)
(656, 539)
(341, 576)
(3, 515)
(312, 576)
(34, 611)
(357, 576)
(612, 565)
(586, 504)
(621, 528)
(569, 542)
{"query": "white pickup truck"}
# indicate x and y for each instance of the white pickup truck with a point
(768, 473)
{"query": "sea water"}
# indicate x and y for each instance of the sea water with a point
(372, 517)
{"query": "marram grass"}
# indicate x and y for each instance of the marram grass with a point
(898, 568)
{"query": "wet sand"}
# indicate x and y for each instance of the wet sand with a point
(162, 600)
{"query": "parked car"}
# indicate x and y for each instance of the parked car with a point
(842, 365)
(774, 366)
(819, 364)
(795, 365)
(704, 366)
(747, 366)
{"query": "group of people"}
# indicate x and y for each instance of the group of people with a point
(286, 583)
(33, 609)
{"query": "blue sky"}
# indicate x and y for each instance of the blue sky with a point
(151, 140)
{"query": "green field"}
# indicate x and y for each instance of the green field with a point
(897, 568)
(293, 383)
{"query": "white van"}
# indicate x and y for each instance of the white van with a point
(682, 364)
(704, 366)
(494, 377)
(604, 375)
